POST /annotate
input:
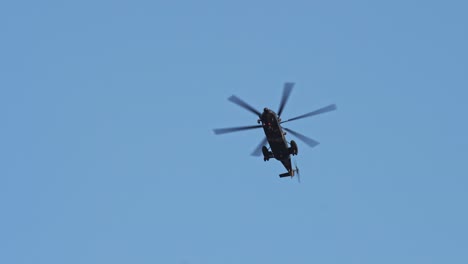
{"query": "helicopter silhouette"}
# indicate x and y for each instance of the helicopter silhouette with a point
(271, 123)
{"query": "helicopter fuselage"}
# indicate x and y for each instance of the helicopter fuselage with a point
(275, 135)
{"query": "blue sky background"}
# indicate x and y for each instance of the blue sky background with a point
(107, 153)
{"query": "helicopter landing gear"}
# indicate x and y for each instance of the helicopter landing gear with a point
(293, 149)
(266, 154)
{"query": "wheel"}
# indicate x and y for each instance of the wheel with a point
(293, 149)
(266, 153)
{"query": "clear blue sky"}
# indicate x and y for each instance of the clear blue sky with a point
(108, 155)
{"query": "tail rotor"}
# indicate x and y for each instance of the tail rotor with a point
(296, 171)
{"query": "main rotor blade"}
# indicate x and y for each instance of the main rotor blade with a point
(316, 112)
(312, 143)
(243, 104)
(258, 150)
(286, 92)
(218, 131)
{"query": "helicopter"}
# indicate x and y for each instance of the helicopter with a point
(271, 122)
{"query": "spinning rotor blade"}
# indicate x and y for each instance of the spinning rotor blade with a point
(286, 92)
(297, 172)
(218, 131)
(312, 143)
(243, 104)
(258, 150)
(316, 112)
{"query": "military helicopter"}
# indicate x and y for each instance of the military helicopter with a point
(271, 123)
